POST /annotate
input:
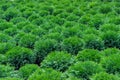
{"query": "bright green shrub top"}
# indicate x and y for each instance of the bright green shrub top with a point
(28, 40)
(93, 42)
(58, 60)
(84, 69)
(104, 76)
(89, 55)
(4, 37)
(110, 51)
(73, 44)
(3, 59)
(27, 70)
(46, 74)
(5, 70)
(111, 63)
(43, 47)
(20, 56)
(4, 47)
(9, 78)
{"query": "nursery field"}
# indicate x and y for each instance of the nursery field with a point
(59, 39)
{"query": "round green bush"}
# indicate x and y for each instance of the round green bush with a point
(4, 47)
(105, 9)
(58, 20)
(58, 60)
(11, 31)
(46, 74)
(15, 74)
(4, 37)
(27, 70)
(110, 51)
(18, 36)
(84, 69)
(54, 35)
(38, 21)
(89, 55)
(104, 76)
(9, 78)
(96, 21)
(109, 26)
(72, 31)
(27, 13)
(5, 70)
(72, 17)
(20, 25)
(43, 47)
(28, 28)
(73, 78)
(93, 42)
(20, 56)
(39, 32)
(109, 39)
(91, 31)
(111, 63)
(73, 44)
(11, 13)
(17, 20)
(33, 17)
(3, 59)
(115, 20)
(5, 25)
(28, 41)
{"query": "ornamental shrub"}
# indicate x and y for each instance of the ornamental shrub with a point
(43, 47)
(84, 69)
(73, 78)
(38, 21)
(46, 74)
(105, 9)
(39, 32)
(115, 20)
(72, 31)
(28, 41)
(18, 36)
(27, 13)
(33, 17)
(5, 70)
(109, 39)
(111, 63)
(11, 13)
(9, 78)
(93, 42)
(4, 47)
(17, 20)
(73, 44)
(73, 17)
(109, 26)
(104, 76)
(110, 51)
(89, 55)
(5, 25)
(58, 60)
(11, 31)
(3, 59)
(20, 25)
(20, 56)
(28, 28)
(27, 70)
(4, 38)
(58, 20)
(54, 35)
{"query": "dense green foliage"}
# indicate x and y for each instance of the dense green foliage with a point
(58, 61)
(59, 39)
